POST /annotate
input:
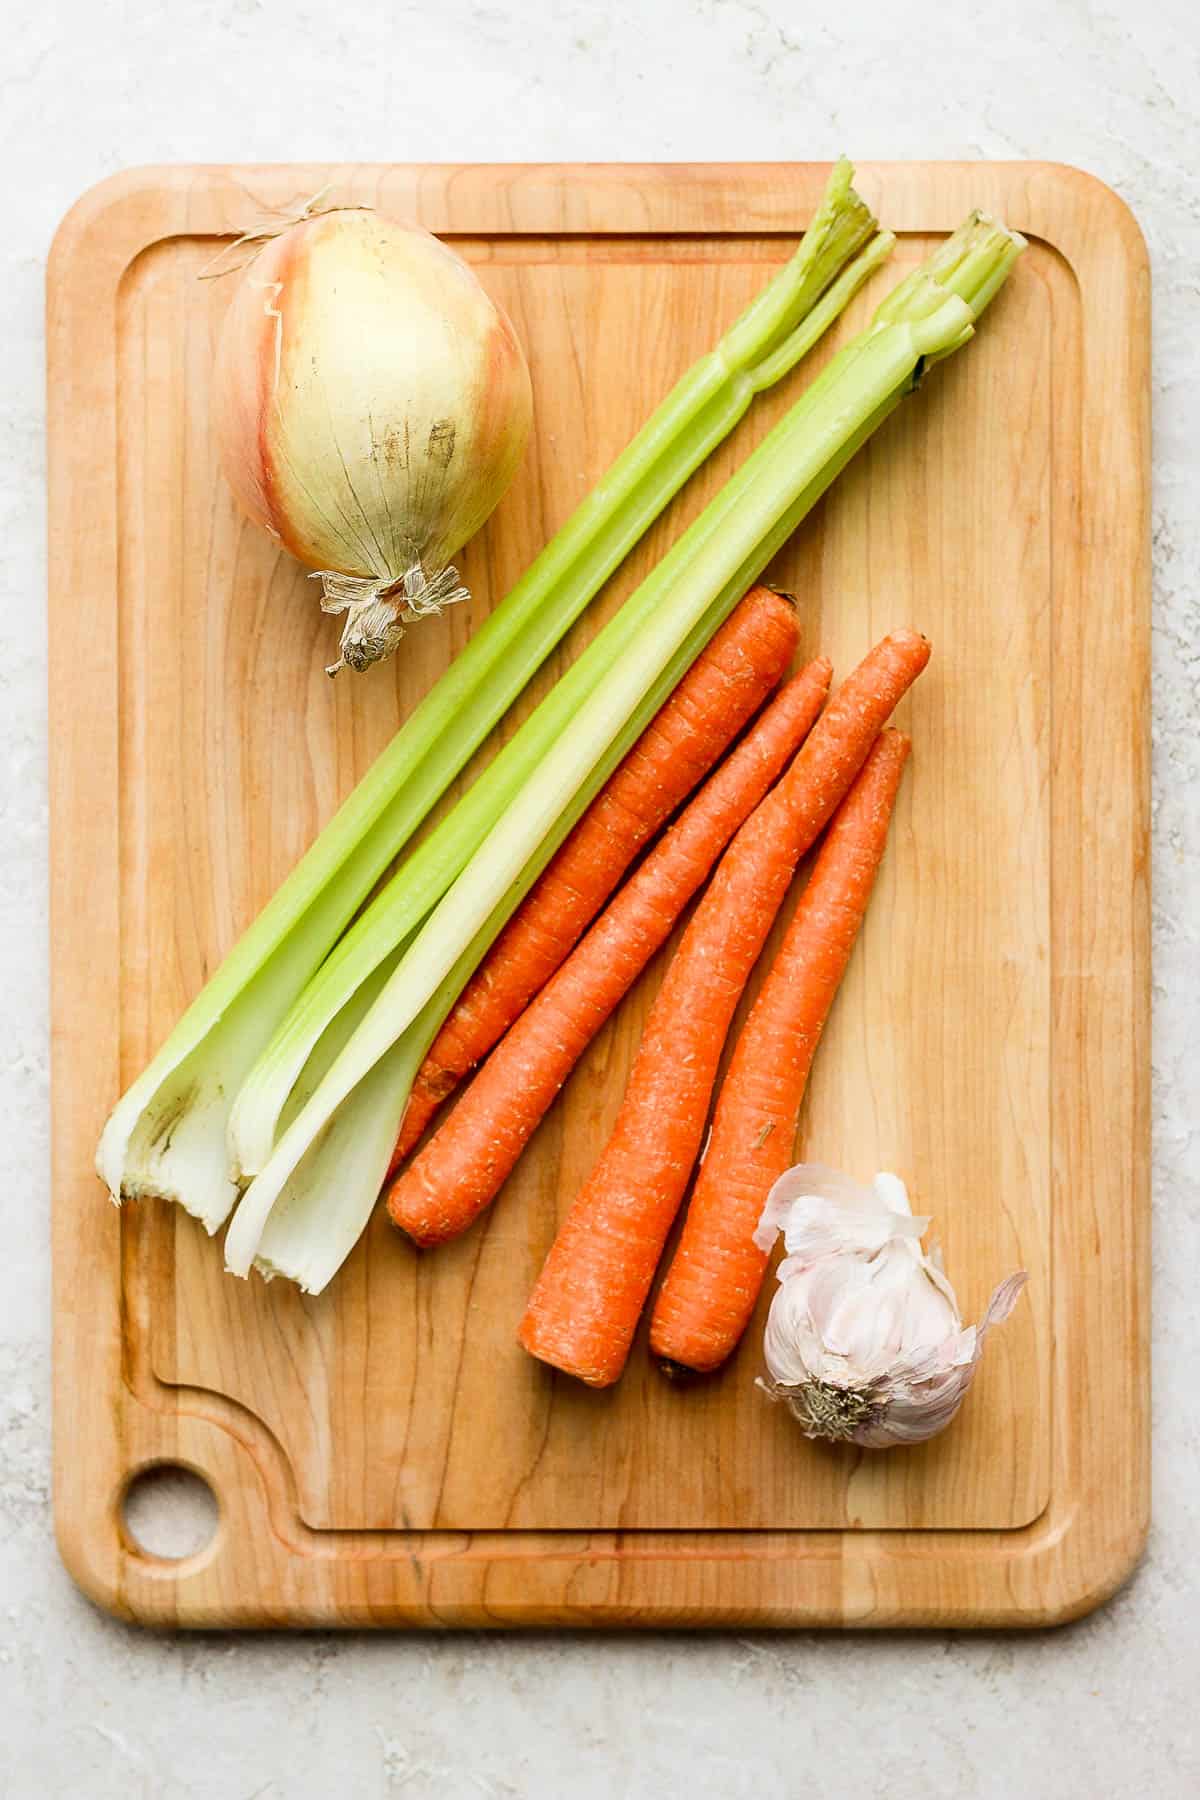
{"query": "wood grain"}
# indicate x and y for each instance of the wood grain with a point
(385, 1453)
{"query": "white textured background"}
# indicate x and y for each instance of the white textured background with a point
(91, 1708)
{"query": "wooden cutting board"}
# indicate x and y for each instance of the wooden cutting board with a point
(384, 1454)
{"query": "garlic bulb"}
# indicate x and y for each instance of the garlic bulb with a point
(371, 405)
(864, 1339)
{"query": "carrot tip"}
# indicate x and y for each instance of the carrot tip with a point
(676, 1372)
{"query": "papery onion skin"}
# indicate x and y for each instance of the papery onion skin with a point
(371, 403)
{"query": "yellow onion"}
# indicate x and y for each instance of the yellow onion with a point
(371, 406)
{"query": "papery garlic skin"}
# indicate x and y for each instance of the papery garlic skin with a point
(864, 1340)
(371, 405)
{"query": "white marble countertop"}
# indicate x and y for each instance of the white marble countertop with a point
(1106, 1707)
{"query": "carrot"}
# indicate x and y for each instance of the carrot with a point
(727, 684)
(464, 1165)
(585, 1306)
(717, 1271)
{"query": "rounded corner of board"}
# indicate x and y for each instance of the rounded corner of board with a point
(89, 216)
(1086, 1570)
(1081, 190)
(92, 1563)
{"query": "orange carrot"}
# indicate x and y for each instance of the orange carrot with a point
(466, 1162)
(727, 683)
(585, 1307)
(717, 1271)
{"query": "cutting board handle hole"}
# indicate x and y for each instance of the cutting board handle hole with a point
(169, 1511)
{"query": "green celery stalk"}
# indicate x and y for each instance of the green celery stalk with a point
(325, 1206)
(167, 1134)
(700, 579)
(327, 1202)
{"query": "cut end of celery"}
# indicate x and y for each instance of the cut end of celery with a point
(788, 317)
(975, 261)
(165, 1139)
(211, 1215)
(971, 266)
(323, 1207)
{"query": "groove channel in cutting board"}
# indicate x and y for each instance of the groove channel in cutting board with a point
(398, 1403)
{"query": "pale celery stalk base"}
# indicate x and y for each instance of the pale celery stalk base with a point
(167, 1134)
(714, 561)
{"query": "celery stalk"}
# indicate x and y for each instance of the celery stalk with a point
(167, 1134)
(327, 1202)
(700, 579)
